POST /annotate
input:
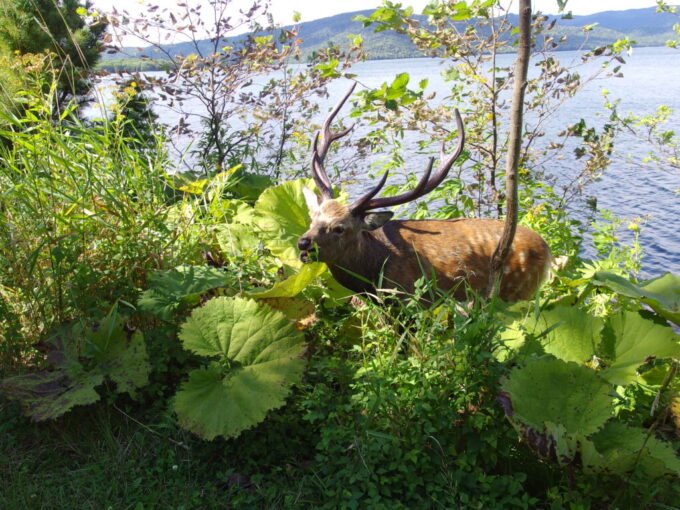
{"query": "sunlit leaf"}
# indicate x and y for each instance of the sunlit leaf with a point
(562, 393)
(294, 284)
(282, 217)
(300, 311)
(184, 284)
(566, 332)
(633, 339)
(662, 294)
(258, 357)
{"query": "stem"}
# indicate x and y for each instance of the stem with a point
(514, 147)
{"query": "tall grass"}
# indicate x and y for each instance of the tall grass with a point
(84, 214)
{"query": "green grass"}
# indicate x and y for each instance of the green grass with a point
(98, 458)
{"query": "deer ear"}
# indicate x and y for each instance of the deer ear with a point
(374, 220)
(311, 198)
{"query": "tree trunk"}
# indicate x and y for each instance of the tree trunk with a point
(514, 145)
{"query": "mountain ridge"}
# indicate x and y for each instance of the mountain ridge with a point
(644, 25)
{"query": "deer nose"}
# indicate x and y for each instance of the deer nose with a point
(304, 243)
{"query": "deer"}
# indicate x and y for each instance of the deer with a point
(366, 249)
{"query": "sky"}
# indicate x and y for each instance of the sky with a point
(283, 10)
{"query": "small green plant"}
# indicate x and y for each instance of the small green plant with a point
(81, 358)
(171, 290)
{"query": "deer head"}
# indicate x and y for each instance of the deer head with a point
(363, 248)
(336, 228)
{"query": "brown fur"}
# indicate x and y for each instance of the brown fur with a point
(456, 251)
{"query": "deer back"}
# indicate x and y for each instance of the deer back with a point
(454, 252)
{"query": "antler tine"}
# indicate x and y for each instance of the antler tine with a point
(319, 175)
(360, 204)
(425, 185)
(447, 163)
(365, 203)
(319, 153)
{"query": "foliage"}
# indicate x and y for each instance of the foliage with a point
(281, 217)
(581, 410)
(381, 403)
(407, 418)
(81, 358)
(660, 293)
(182, 285)
(68, 29)
(574, 417)
(83, 217)
(240, 120)
(478, 87)
(259, 355)
(653, 130)
(140, 120)
(662, 6)
(566, 425)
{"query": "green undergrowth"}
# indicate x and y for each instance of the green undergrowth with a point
(162, 346)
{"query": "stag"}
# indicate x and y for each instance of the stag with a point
(365, 248)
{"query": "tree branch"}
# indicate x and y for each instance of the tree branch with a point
(514, 147)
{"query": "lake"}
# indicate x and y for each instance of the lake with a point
(652, 78)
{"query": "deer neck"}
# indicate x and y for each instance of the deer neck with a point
(360, 268)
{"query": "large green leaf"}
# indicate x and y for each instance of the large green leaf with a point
(282, 217)
(662, 294)
(294, 284)
(80, 359)
(183, 285)
(566, 332)
(249, 186)
(237, 239)
(259, 357)
(561, 393)
(633, 339)
(621, 448)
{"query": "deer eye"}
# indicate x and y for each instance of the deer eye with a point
(338, 230)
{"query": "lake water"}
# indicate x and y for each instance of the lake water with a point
(652, 78)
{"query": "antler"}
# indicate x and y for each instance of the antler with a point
(319, 153)
(425, 185)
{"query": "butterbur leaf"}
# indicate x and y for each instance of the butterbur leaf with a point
(633, 340)
(294, 284)
(561, 393)
(282, 217)
(257, 357)
(622, 447)
(81, 358)
(662, 294)
(170, 289)
(237, 239)
(46, 395)
(566, 332)
(576, 336)
(249, 186)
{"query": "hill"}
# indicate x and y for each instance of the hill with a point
(644, 26)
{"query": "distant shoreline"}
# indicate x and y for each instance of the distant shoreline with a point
(141, 65)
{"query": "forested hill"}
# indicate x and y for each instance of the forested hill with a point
(645, 26)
